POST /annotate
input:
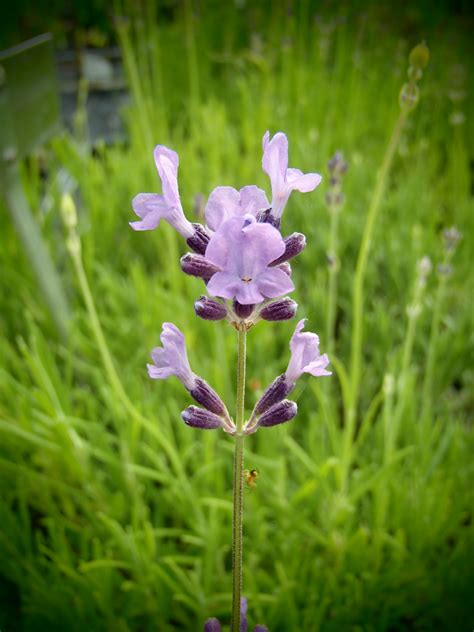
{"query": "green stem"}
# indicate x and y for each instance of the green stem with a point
(238, 509)
(333, 272)
(358, 294)
(427, 389)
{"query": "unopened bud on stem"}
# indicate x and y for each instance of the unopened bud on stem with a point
(209, 309)
(198, 266)
(68, 211)
(283, 309)
(278, 414)
(200, 418)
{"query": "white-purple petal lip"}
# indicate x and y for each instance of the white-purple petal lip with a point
(305, 356)
(226, 202)
(243, 249)
(151, 208)
(171, 358)
(283, 180)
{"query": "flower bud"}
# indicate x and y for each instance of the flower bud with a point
(266, 217)
(419, 56)
(274, 393)
(409, 96)
(424, 267)
(208, 309)
(285, 266)
(294, 244)
(283, 309)
(212, 625)
(200, 418)
(414, 73)
(242, 311)
(207, 397)
(451, 237)
(68, 211)
(337, 165)
(278, 414)
(198, 266)
(199, 239)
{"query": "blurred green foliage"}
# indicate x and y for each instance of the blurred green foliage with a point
(118, 518)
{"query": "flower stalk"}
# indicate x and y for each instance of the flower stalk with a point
(238, 484)
(242, 258)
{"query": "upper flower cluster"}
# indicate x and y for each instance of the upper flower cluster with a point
(243, 260)
(240, 253)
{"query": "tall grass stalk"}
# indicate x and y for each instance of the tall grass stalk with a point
(358, 293)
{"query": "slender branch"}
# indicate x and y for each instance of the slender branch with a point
(333, 273)
(358, 293)
(238, 507)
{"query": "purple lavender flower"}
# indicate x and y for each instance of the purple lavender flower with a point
(305, 356)
(284, 180)
(272, 408)
(242, 249)
(152, 208)
(227, 202)
(172, 359)
(213, 625)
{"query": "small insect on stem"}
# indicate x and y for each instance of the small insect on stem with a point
(251, 477)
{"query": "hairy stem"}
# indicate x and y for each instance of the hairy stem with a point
(238, 508)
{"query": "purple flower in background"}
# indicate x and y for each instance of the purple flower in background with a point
(284, 180)
(305, 356)
(226, 202)
(172, 359)
(213, 625)
(242, 249)
(151, 208)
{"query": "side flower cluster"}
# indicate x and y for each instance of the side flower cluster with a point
(243, 260)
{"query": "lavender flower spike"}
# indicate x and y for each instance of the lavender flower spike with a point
(243, 249)
(172, 359)
(152, 208)
(227, 202)
(283, 179)
(305, 356)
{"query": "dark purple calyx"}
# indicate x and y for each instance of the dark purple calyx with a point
(294, 244)
(198, 266)
(266, 217)
(199, 239)
(274, 393)
(284, 309)
(242, 311)
(279, 414)
(208, 309)
(200, 418)
(205, 395)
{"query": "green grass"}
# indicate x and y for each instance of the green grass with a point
(113, 514)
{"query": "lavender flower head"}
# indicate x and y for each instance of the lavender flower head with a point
(305, 356)
(283, 180)
(152, 208)
(172, 358)
(243, 249)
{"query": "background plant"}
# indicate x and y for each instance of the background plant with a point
(116, 517)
